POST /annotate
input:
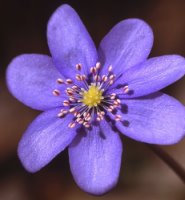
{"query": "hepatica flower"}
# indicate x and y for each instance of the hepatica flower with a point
(88, 95)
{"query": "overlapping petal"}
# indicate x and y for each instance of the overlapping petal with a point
(95, 159)
(151, 76)
(69, 42)
(156, 119)
(31, 78)
(127, 44)
(46, 137)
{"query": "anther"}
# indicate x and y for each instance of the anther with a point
(76, 114)
(69, 92)
(85, 114)
(98, 119)
(110, 68)
(66, 103)
(56, 92)
(109, 109)
(93, 70)
(78, 67)
(72, 99)
(60, 81)
(72, 110)
(78, 77)
(71, 124)
(111, 77)
(104, 78)
(86, 124)
(102, 112)
(64, 111)
(98, 65)
(101, 117)
(83, 76)
(126, 89)
(80, 120)
(117, 102)
(112, 96)
(88, 118)
(97, 77)
(111, 82)
(118, 117)
(69, 81)
(60, 114)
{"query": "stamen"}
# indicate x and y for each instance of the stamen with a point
(71, 124)
(78, 67)
(98, 119)
(69, 92)
(98, 65)
(118, 117)
(86, 124)
(96, 78)
(72, 99)
(110, 68)
(112, 96)
(74, 87)
(72, 110)
(126, 89)
(117, 102)
(60, 81)
(111, 82)
(69, 81)
(89, 101)
(80, 120)
(83, 77)
(78, 77)
(62, 113)
(93, 70)
(56, 92)
(66, 103)
(104, 78)
(112, 76)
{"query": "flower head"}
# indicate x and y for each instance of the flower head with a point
(88, 96)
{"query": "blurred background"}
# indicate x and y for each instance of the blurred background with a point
(23, 30)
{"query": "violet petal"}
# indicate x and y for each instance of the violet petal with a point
(69, 42)
(46, 137)
(128, 43)
(95, 159)
(155, 119)
(31, 78)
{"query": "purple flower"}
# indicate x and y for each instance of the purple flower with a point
(88, 95)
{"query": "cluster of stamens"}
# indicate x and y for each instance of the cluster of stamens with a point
(89, 100)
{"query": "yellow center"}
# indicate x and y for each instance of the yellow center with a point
(92, 97)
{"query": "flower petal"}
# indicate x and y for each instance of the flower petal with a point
(46, 137)
(95, 159)
(151, 76)
(155, 119)
(31, 78)
(127, 44)
(69, 41)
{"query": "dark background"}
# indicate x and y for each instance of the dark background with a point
(23, 30)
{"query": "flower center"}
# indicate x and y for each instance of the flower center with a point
(92, 97)
(89, 98)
